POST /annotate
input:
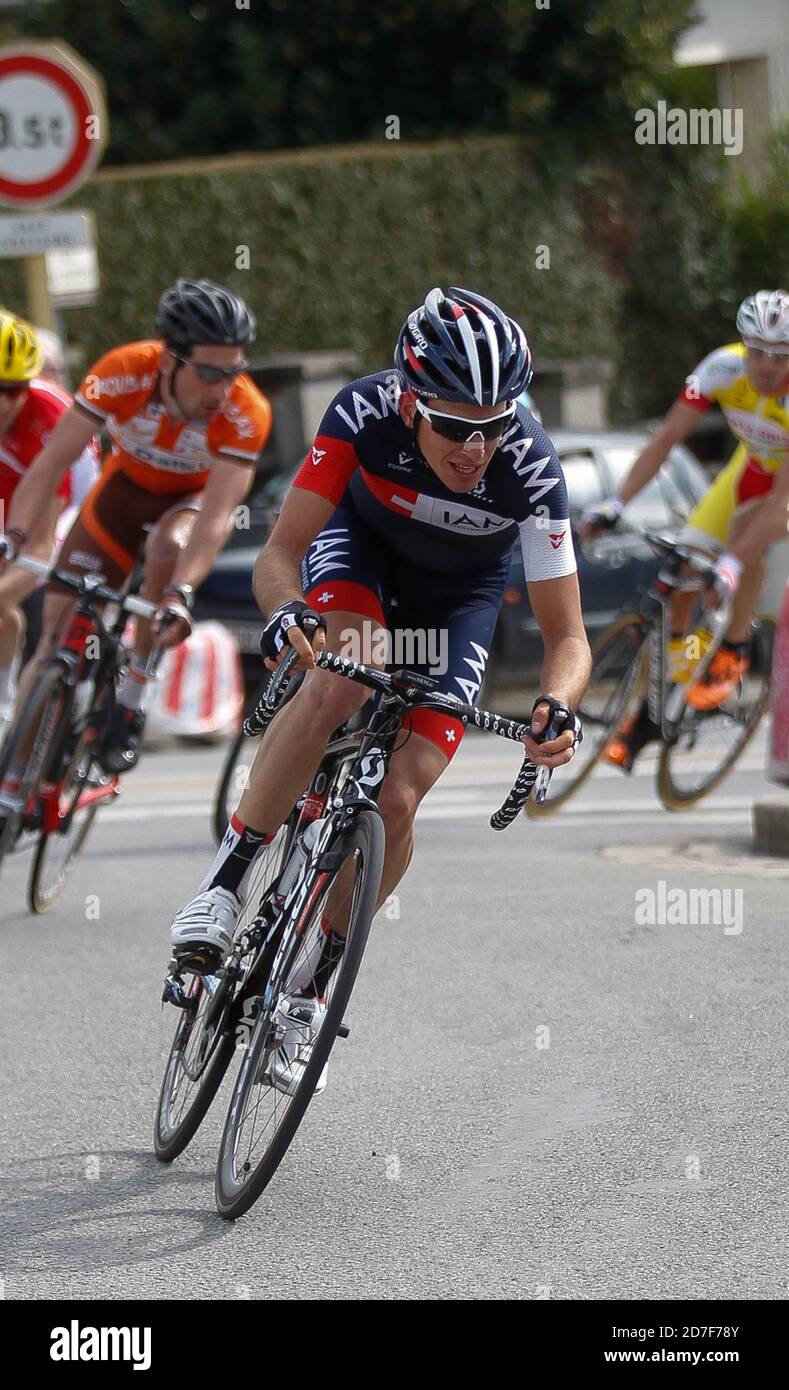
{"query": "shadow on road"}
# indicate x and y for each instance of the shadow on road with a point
(92, 1211)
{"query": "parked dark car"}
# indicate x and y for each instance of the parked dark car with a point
(593, 465)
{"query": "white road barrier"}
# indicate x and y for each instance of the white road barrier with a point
(200, 691)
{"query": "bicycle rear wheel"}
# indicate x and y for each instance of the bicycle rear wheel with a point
(43, 719)
(240, 756)
(616, 667)
(261, 1121)
(233, 781)
(200, 1055)
(709, 742)
(204, 1042)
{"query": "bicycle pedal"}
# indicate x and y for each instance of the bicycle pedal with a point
(206, 960)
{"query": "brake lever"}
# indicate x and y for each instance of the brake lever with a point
(544, 774)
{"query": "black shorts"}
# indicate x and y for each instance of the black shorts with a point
(439, 624)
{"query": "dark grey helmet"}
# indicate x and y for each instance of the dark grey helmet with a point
(191, 312)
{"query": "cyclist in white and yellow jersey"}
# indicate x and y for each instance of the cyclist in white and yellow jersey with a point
(743, 511)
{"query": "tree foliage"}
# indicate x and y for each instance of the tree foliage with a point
(213, 76)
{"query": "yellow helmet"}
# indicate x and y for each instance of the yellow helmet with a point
(21, 357)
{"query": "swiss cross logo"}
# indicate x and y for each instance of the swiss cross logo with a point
(317, 454)
(450, 735)
(556, 538)
(324, 597)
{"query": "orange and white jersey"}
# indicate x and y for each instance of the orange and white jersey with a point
(158, 454)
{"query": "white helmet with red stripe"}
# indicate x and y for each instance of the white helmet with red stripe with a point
(461, 347)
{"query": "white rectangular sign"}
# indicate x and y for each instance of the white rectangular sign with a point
(73, 277)
(33, 234)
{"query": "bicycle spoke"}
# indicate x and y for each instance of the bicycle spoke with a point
(709, 743)
(262, 1120)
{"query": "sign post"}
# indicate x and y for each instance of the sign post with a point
(53, 129)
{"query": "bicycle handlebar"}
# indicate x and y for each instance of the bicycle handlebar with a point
(382, 681)
(85, 585)
(663, 545)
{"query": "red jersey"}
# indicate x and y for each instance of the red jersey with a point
(44, 404)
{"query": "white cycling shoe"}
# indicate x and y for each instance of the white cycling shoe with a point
(298, 1020)
(209, 920)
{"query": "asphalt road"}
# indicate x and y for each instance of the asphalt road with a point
(541, 1096)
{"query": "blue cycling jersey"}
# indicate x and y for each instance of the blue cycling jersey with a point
(365, 454)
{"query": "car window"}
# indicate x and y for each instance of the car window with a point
(687, 475)
(582, 475)
(651, 508)
(253, 516)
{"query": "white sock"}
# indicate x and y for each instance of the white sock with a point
(8, 675)
(131, 691)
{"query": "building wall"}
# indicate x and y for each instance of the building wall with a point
(748, 44)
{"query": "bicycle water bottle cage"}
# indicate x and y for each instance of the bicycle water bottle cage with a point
(402, 678)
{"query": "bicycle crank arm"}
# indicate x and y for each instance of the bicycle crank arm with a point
(173, 993)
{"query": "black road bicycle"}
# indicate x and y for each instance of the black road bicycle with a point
(63, 785)
(237, 1007)
(630, 664)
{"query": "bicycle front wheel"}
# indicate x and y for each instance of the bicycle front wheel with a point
(82, 790)
(262, 1121)
(616, 669)
(709, 742)
(40, 723)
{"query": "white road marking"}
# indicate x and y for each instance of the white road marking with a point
(725, 812)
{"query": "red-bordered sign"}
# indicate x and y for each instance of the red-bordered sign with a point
(53, 123)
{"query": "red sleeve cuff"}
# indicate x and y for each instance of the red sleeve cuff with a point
(700, 403)
(328, 467)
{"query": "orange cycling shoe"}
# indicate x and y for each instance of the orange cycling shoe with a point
(627, 741)
(726, 670)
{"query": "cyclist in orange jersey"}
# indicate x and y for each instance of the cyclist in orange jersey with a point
(186, 426)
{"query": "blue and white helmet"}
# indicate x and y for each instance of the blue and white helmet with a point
(461, 347)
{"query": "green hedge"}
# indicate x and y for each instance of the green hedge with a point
(648, 260)
(341, 247)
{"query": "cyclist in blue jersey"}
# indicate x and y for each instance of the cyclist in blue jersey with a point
(404, 513)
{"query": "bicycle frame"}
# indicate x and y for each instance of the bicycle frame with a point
(70, 657)
(368, 753)
(666, 703)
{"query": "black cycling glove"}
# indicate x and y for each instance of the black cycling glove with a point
(560, 717)
(292, 614)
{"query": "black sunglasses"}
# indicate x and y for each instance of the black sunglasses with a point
(459, 428)
(209, 374)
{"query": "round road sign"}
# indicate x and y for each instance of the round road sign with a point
(53, 123)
